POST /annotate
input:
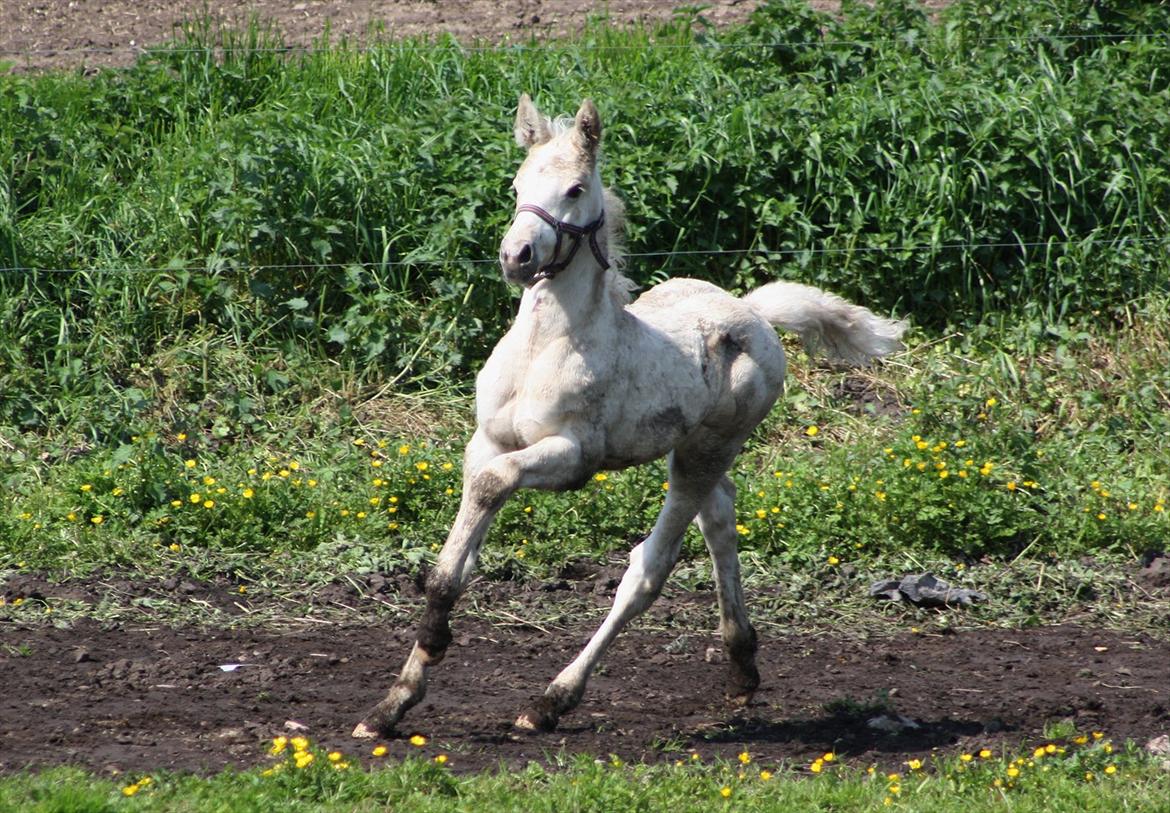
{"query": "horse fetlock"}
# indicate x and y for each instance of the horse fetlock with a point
(743, 676)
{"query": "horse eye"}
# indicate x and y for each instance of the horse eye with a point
(575, 191)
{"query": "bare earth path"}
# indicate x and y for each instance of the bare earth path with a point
(144, 696)
(92, 33)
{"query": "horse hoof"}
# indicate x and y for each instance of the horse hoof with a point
(740, 700)
(363, 732)
(533, 720)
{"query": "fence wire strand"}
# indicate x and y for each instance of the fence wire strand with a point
(209, 265)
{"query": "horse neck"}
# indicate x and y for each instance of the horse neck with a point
(576, 302)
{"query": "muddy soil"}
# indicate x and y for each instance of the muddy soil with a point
(148, 697)
(39, 34)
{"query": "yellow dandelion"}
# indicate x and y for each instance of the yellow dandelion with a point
(833, 560)
(1013, 772)
(966, 757)
(985, 754)
(418, 740)
(765, 775)
(914, 764)
(173, 547)
(1111, 769)
(441, 759)
(745, 758)
(196, 498)
(812, 431)
(725, 792)
(248, 493)
(299, 743)
(97, 520)
(278, 745)
(1011, 485)
(817, 766)
(334, 756)
(379, 751)
(422, 465)
(182, 436)
(130, 790)
(189, 463)
(404, 449)
(209, 503)
(601, 477)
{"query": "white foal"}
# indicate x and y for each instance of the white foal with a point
(585, 381)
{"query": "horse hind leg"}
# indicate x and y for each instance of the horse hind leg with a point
(716, 520)
(650, 564)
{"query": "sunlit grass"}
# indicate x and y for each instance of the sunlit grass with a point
(1086, 771)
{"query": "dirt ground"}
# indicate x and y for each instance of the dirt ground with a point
(45, 34)
(147, 697)
(41, 34)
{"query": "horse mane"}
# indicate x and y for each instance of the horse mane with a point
(620, 286)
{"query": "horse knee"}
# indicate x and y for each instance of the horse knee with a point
(490, 489)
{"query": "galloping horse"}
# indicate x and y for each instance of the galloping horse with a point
(585, 380)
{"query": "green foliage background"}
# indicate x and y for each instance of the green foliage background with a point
(330, 218)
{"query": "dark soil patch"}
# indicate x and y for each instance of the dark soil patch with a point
(140, 698)
(43, 34)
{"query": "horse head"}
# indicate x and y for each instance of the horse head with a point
(558, 195)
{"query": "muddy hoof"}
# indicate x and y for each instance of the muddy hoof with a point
(535, 719)
(376, 725)
(740, 700)
(362, 731)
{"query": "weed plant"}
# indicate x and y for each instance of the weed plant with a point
(230, 228)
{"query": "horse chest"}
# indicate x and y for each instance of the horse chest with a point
(537, 395)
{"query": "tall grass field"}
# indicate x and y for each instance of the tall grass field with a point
(245, 288)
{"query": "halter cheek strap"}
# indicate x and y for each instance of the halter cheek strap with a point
(562, 228)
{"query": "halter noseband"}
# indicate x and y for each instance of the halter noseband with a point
(576, 232)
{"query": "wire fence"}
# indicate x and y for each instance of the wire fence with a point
(215, 264)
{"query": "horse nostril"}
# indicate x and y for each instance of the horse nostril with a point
(524, 255)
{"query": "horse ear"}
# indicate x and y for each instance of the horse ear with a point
(531, 127)
(588, 126)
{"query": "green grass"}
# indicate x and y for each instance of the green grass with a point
(1075, 777)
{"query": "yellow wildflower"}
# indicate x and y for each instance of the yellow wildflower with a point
(418, 740)
(379, 751)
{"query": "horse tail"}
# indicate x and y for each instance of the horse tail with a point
(846, 333)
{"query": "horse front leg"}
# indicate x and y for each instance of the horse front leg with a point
(489, 479)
